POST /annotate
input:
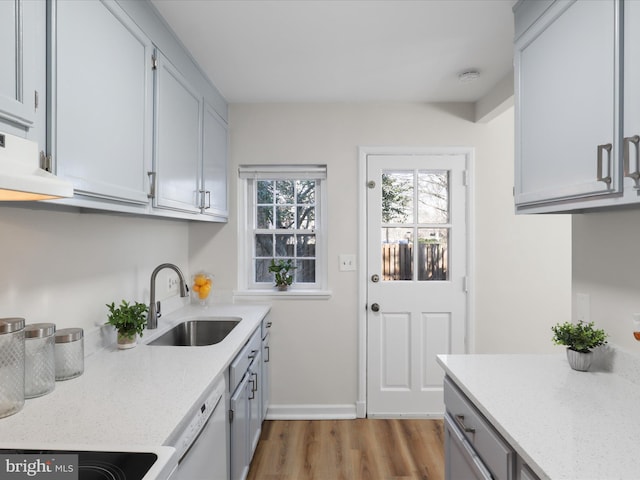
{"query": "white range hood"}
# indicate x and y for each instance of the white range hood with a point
(21, 178)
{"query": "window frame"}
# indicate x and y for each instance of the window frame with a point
(248, 176)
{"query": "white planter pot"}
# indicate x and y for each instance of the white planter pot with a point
(578, 360)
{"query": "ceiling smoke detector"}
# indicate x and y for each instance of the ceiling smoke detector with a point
(469, 76)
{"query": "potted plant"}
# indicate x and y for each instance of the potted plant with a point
(579, 339)
(281, 268)
(129, 321)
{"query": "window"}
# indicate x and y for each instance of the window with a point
(283, 220)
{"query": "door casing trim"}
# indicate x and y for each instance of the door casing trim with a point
(363, 152)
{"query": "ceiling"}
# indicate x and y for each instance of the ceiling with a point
(346, 50)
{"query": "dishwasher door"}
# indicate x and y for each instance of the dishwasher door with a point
(206, 458)
(461, 461)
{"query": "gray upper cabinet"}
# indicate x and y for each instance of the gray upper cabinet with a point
(568, 110)
(101, 81)
(22, 76)
(133, 122)
(178, 140)
(631, 122)
(214, 164)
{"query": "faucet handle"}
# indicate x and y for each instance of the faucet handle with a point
(158, 309)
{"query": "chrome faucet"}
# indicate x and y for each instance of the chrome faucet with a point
(154, 307)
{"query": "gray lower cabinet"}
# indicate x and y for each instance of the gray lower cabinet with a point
(246, 404)
(239, 428)
(473, 447)
(101, 111)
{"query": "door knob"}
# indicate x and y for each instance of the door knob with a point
(375, 307)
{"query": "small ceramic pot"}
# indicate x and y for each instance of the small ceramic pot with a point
(282, 288)
(578, 360)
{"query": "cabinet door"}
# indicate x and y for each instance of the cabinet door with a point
(631, 145)
(102, 111)
(239, 430)
(266, 375)
(17, 80)
(255, 403)
(178, 155)
(567, 105)
(214, 164)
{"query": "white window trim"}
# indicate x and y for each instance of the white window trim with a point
(245, 233)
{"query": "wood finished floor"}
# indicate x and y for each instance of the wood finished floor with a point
(361, 449)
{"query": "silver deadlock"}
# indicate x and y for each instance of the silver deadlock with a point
(375, 278)
(375, 307)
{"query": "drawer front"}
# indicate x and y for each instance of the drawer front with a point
(242, 361)
(496, 453)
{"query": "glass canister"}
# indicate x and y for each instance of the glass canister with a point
(11, 365)
(39, 362)
(69, 353)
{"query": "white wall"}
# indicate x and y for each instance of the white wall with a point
(606, 266)
(64, 266)
(522, 263)
(523, 275)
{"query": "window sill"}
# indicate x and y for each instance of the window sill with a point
(288, 295)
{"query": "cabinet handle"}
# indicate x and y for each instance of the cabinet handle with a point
(255, 383)
(252, 390)
(208, 194)
(268, 356)
(636, 174)
(152, 185)
(253, 353)
(460, 421)
(601, 148)
(269, 324)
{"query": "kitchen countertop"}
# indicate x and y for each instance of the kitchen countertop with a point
(566, 425)
(137, 397)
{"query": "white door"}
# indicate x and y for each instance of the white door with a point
(416, 278)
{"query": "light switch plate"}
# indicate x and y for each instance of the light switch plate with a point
(347, 262)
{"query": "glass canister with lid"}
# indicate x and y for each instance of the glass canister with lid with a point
(69, 353)
(39, 364)
(11, 365)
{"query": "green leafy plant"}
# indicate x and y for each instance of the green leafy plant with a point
(128, 319)
(281, 268)
(581, 337)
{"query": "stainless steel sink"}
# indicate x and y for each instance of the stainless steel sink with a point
(197, 333)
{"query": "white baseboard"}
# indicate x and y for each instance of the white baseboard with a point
(311, 412)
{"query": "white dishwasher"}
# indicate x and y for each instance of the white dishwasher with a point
(202, 446)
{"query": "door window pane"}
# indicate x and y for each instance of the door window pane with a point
(433, 253)
(397, 197)
(433, 197)
(397, 254)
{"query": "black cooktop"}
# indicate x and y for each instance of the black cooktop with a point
(100, 465)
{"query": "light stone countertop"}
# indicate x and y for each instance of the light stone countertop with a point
(136, 397)
(566, 425)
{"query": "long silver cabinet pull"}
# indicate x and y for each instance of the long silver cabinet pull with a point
(602, 148)
(635, 175)
(460, 421)
(268, 356)
(152, 184)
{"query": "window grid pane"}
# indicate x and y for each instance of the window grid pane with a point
(285, 222)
